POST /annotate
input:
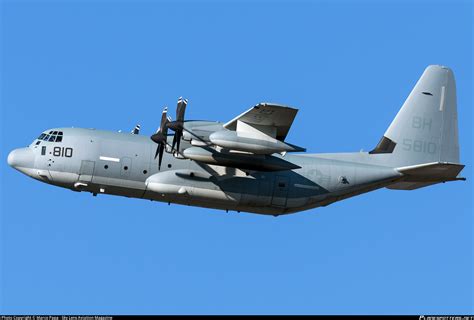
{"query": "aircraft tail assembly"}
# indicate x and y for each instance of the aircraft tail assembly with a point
(422, 140)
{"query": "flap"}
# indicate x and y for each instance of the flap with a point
(267, 117)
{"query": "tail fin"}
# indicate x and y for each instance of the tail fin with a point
(425, 129)
(422, 141)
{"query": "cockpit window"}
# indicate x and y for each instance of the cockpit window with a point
(53, 136)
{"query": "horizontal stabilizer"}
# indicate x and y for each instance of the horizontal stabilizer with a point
(422, 175)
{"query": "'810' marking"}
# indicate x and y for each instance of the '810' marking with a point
(419, 146)
(62, 152)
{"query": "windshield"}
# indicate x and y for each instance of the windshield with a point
(52, 136)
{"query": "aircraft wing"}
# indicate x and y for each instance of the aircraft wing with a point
(272, 119)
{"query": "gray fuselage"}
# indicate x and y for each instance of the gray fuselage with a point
(123, 164)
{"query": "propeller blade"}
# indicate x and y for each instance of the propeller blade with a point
(164, 119)
(136, 130)
(181, 109)
(174, 143)
(178, 138)
(157, 150)
(160, 158)
(177, 125)
(160, 137)
(162, 132)
(159, 153)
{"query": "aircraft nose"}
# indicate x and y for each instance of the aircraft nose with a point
(23, 157)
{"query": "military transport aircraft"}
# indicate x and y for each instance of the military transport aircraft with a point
(246, 164)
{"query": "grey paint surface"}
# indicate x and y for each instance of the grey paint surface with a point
(426, 152)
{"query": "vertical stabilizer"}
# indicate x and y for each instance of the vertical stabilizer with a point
(425, 129)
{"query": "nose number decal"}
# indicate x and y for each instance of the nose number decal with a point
(62, 152)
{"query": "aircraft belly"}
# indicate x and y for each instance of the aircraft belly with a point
(240, 193)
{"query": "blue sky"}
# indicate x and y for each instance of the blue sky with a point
(348, 67)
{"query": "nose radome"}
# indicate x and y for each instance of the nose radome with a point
(23, 157)
(11, 158)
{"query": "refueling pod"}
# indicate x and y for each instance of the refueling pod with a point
(243, 141)
(238, 160)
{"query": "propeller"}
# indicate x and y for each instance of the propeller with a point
(160, 137)
(136, 130)
(177, 125)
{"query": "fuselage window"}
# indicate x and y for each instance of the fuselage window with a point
(43, 150)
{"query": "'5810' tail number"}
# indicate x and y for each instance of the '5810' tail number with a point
(62, 152)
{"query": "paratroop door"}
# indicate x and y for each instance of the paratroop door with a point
(87, 171)
(280, 191)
